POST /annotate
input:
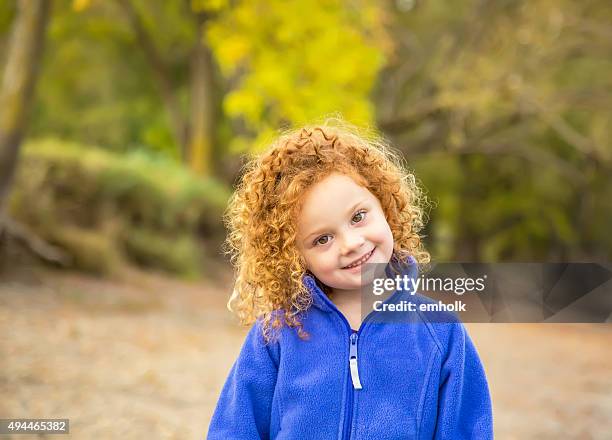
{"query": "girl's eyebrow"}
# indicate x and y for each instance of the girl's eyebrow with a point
(323, 229)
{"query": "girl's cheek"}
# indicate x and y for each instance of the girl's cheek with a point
(327, 259)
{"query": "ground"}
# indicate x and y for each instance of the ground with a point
(146, 356)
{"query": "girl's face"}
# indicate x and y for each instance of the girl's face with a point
(341, 226)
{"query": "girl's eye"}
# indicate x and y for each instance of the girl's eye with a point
(322, 240)
(359, 216)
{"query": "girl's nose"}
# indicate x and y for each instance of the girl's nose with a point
(351, 243)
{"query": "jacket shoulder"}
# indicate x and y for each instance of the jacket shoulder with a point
(444, 327)
(260, 345)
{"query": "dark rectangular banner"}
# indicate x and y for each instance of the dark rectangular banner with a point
(489, 292)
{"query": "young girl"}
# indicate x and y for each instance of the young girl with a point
(306, 217)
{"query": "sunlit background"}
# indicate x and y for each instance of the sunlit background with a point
(118, 159)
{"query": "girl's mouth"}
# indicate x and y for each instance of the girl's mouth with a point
(359, 262)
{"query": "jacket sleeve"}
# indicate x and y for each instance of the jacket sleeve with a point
(244, 407)
(464, 403)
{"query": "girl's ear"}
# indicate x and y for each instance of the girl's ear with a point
(303, 263)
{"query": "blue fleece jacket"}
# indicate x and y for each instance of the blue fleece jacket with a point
(407, 379)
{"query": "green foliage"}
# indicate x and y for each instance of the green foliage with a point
(174, 254)
(89, 250)
(500, 108)
(143, 206)
(7, 14)
(96, 86)
(282, 63)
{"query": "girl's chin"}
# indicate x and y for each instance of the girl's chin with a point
(356, 281)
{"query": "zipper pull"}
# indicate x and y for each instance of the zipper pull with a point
(353, 362)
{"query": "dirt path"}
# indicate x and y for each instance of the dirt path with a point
(146, 358)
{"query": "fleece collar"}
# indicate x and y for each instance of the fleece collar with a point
(322, 301)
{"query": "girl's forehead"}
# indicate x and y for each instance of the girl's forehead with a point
(333, 196)
(334, 185)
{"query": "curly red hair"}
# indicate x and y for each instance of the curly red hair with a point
(261, 215)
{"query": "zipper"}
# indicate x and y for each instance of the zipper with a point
(353, 371)
(353, 361)
(354, 378)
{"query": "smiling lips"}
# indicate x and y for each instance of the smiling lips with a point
(359, 262)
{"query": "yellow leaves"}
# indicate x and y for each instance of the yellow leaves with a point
(233, 50)
(232, 37)
(208, 5)
(80, 5)
(297, 61)
(244, 102)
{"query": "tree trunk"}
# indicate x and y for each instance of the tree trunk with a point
(23, 60)
(202, 138)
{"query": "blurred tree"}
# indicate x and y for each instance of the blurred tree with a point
(20, 73)
(501, 106)
(291, 62)
(97, 90)
(24, 52)
(196, 132)
(275, 69)
(204, 83)
(159, 69)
